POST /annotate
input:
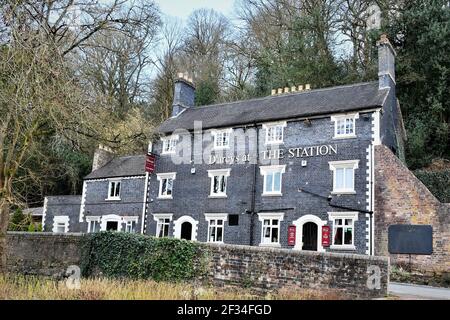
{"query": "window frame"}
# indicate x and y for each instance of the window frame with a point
(272, 126)
(262, 216)
(162, 176)
(130, 219)
(159, 216)
(110, 186)
(93, 219)
(344, 164)
(57, 220)
(333, 216)
(225, 173)
(216, 217)
(172, 141)
(265, 170)
(344, 117)
(216, 133)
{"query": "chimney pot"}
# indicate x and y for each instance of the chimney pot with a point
(293, 89)
(300, 88)
(307, 86)
(274, 92)
(286, 90)
(280, 90)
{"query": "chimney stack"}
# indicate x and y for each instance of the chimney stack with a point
(102, 156)
(386, 63)
(184, 94)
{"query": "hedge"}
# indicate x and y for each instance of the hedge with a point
(119, 254)
(438, 182)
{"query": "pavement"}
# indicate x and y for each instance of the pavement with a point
(406, 291)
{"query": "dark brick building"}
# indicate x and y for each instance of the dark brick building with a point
(286, 170)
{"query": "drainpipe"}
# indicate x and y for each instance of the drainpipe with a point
(255, 172)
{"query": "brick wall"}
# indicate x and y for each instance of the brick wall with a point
(273, 268)
(259, 268)
(401, 198)
(42, 253)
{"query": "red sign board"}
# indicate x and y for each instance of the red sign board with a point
(326, 236)
(150, 163)
(291, 235)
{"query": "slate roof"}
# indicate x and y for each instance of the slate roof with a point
(284, 106)
(37, 211)
(120, 167)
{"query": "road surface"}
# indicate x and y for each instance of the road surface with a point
(412, 291)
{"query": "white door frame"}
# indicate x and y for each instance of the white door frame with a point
(299, 231)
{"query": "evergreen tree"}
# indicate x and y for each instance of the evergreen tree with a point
(421, 36)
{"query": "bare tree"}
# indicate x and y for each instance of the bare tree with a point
(41, 94)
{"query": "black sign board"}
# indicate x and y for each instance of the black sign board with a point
(410, 239)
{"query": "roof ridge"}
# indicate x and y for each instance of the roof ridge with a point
(283, 95)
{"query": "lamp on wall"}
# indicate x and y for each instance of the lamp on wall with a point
(307, 122)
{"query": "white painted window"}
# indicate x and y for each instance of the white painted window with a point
(216, 222)
(344, 175)
(343, 229)
(272, 179)
(169, 144)
(218, 182)
(166, 184)
(130, 224)
(221, 138)
(93, 224)
(114, 190)
(345, 125)
(270, 228)
(162, 224)
(60, 224)
(274, 132)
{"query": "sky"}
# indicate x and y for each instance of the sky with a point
(183, 8)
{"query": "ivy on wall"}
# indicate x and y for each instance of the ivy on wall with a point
(119, 254)
(438, 182)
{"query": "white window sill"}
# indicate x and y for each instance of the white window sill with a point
(273, 143)
(344, 192)
(344, 137)
(271, 194)
(270, 245)
(342, 247)
(167, 153)
(216, 242)
(113, 199)
(220, 148)
(217, 196)
(165, 197)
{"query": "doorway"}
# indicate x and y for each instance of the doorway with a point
(309, 235)
(112, 225)
(186, 231)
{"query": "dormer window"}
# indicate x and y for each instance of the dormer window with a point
(221, 138)
(345, 125)
(169, 144)
(114, 190)
(274, 132)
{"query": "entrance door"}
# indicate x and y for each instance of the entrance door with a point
(112, 226)
(309, 236)
(186, 230)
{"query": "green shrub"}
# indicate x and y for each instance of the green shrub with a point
(119, 254)
(438, 182)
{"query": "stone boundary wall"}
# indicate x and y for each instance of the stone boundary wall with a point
(258, 268)
(274, 268)
(401, 198)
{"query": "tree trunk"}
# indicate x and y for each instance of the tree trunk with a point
(4, 220)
